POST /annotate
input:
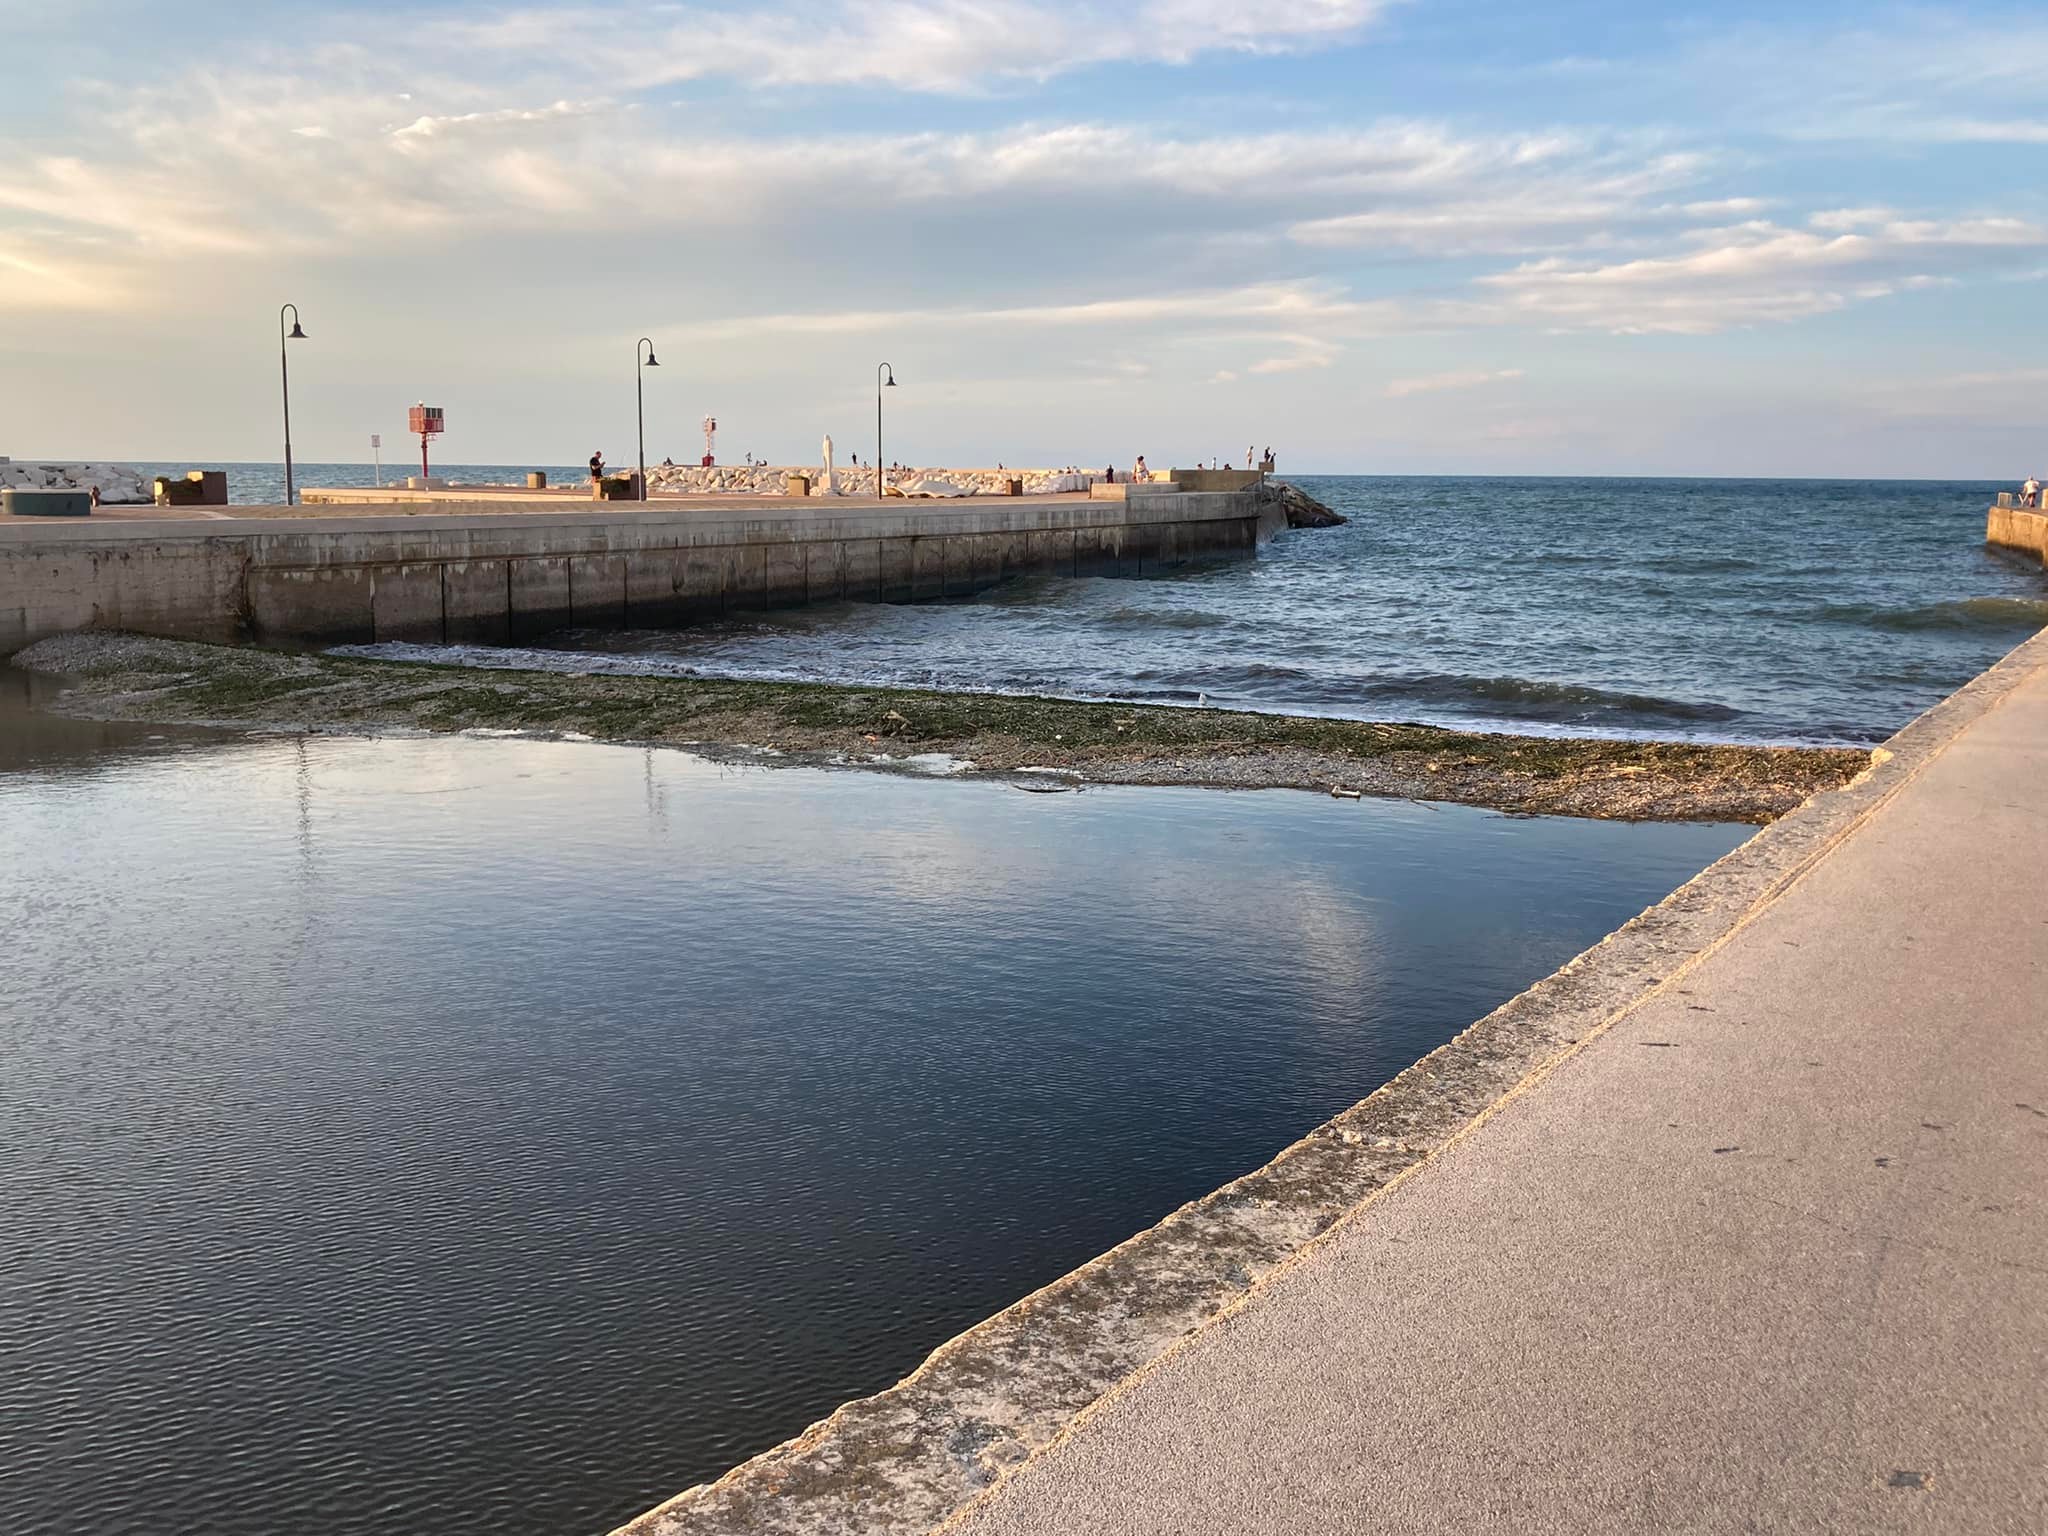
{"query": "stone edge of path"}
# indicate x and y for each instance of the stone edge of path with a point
(912, 1457)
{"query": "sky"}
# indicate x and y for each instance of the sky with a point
(1380, 236)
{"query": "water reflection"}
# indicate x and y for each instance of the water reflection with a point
(411, 1132)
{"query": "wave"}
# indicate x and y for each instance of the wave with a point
(1529, 698)
(1699, 565)
(2008, 613)
(1153, 618)
(1503, 698)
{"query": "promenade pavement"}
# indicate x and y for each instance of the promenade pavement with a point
(1770, 1253)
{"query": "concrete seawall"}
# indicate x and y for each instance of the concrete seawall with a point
(2022, 530)
(497, 574)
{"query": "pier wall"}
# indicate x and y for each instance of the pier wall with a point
(2022, 529)
(497, 578)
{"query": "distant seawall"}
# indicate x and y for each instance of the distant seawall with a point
(2021, 529)
(503, 574)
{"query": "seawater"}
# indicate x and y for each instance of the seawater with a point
(1826, 612)
(414, 1135)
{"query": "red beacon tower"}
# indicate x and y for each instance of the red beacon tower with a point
(428, 421)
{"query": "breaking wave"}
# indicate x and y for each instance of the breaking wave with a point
(2010, 613)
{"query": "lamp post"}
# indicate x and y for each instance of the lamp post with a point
(285, 369)
(881, 369)
(640, 402)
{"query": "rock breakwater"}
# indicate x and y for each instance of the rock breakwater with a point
(119, 485)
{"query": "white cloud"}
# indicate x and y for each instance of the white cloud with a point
(1759, 273)
(1470, 378)
(954, 47)
(1512, 195)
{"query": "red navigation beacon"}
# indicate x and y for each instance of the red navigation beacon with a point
(426, 420)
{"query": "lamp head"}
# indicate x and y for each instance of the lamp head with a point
(652, 360)
(298, 331)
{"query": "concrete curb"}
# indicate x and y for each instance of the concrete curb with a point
(912, 1458)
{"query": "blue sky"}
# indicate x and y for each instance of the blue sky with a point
(1448, 236)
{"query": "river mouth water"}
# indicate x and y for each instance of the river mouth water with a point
(405, 1134)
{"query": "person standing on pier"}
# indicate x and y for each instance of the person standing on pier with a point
(597, 475)
(2030, 493)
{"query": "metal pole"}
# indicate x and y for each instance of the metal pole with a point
(640, 407)
(284, 368)
(377, 452)
(880, 369)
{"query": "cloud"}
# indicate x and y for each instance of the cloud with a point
(1510, 195)
(1434, 383)
(427, 127)
(948, 47)
(1760, 273)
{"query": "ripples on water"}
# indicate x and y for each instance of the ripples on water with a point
(418, 1135)
(1807, 611)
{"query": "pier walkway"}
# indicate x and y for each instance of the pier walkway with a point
(1768, 1252)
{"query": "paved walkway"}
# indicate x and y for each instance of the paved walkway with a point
(1770, 1254)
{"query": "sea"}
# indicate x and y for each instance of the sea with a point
(1780, 611)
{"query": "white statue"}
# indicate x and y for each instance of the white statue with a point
(831, 474)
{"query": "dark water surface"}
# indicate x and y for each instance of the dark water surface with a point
(406, 1136)
(1748, 610)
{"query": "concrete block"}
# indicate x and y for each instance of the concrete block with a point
(784, 577)
(406, 603)
(597, 590)
(477, 602)
(654, 587)
(1095, 551)
(20, 503)
(318, 605)
(895, 584)
(704, 575)
(927, 569)
(746, 580)
(824, 568)
(1050, 550)
(1138, 554)
(860, 570)
(540, 597)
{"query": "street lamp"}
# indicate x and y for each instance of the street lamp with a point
(640, 401)
(880, 381)
(285, 369)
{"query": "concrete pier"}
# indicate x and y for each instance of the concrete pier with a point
(1734, 1223)
(510, 570)
(2023, 530)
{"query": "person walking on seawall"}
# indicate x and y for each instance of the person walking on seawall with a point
(1109, 475)
(2030, 493)
(1139, 473)
(597, 475)
(1248, 458)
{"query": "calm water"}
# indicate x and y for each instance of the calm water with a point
(402, 1136)
(1748, 610)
